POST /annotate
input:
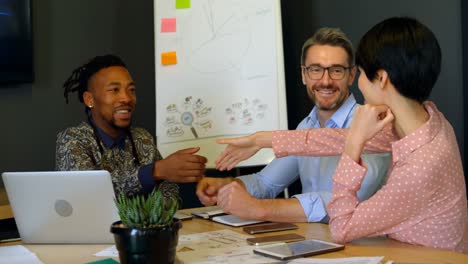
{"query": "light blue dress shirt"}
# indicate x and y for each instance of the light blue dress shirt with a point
(316, 173)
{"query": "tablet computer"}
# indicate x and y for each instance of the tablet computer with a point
(285, 251)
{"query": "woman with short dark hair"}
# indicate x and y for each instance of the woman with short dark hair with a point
(424, 199)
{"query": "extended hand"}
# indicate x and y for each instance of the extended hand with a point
(237, 150)
(208, 187)
(181, 166)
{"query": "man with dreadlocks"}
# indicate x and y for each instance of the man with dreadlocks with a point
(108, 141)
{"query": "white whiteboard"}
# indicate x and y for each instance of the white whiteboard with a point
(228, 79)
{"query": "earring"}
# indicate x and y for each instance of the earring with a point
(90, 106)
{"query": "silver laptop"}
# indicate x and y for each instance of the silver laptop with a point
(62, 206)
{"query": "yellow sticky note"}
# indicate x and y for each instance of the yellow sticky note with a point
(179, 4)
(168, 58)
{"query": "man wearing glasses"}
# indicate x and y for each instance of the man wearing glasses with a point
(327, 66)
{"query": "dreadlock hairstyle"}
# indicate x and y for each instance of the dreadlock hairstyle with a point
(78, 81)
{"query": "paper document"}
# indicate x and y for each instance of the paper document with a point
(239, 258)
(211, 245)
(353, 260)
(210, 240)
(17, 255)
(229, 247)
(108, 252)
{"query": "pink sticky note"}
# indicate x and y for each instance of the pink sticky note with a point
(168, 25)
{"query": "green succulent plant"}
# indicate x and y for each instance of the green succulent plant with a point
(154, 210)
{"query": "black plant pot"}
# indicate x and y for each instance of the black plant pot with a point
(155, 245)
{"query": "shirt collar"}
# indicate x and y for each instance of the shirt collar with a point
(402, 148)
(107, 140)
(338, 119)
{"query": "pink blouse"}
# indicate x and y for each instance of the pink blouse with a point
(424, 200)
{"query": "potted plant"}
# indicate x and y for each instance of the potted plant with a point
(147, 232)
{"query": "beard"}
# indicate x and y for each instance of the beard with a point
(118, 122)
(327, 105)
(113, 123)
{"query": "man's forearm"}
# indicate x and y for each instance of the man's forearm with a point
(282, 210)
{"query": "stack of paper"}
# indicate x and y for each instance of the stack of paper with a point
(17, 255)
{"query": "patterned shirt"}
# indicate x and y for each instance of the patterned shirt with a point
(424, 200)
(77, 149)
(316, 173)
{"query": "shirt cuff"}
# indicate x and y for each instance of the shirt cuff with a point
(313, 206)
(250, 183)
(147, 181)
(349, 173)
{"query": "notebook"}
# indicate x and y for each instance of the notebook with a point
(233, 220)
(62, 206)
(217, 214)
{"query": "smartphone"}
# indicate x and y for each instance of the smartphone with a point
(304, 248)
(269, 227)
(286, 238)
(182, 216)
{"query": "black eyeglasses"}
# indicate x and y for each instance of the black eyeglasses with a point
(315, 72)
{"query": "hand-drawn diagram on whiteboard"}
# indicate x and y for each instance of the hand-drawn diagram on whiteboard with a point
(195, 115)
(246, 112)
(219, 69)
(213, 27)
(191, 113)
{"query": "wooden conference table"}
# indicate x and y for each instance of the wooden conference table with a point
(392, 250)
